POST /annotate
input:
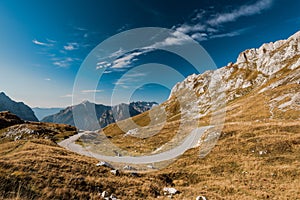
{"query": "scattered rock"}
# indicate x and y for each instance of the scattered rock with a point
(262, 152)
(104, 194)
(115, 172)
(113, 197)
(150, 167)
(134, 174)
(117, 153)
(128, 167)
(170, 191)
(105, 164)
(201, 198)
(18, 137)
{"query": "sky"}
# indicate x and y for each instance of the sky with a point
(45, 45)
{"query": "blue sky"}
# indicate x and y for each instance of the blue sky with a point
(44, 43)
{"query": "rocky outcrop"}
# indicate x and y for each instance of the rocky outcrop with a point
(8, 119)
(276, 62)
(19, 108)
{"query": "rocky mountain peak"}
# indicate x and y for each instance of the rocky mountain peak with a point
(19, 108)
(257, 70)
(268, 58)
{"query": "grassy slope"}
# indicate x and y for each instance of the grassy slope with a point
(39, 169)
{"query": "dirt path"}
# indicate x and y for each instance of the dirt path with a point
(189, 142)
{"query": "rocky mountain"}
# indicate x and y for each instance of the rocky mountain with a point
(271, 70)
(19, 108)
(40, 113)
(105, 114)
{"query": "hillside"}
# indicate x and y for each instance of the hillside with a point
(262, 86)
(18, 108)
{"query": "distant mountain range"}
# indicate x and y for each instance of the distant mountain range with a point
(104, 114)
(19, 108)
(44, 112)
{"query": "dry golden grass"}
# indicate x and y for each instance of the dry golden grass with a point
(55, 132)
(39, 169)
(235, 169)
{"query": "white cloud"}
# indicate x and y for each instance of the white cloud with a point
(103, 64)
(80, 28)
(51, 41)
(129, 80)
(63, 63)
(91, 91)
(107, 72)
(135, 75)
(246, 10)
(125, 61)
(207, 25)
(185, 28)
(199, 36)
(203, 26)
(41, 43)
(67, 96)
(176, 38)
(71, 46)
(47, 79)
(117, 53)
(231, 34)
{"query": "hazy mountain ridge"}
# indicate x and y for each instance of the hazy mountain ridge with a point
(44, 112)
(105, 114)
(19, 108)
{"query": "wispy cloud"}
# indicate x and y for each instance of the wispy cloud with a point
(91, 91)
(103, 64)
(205, 25)
(246, 10)
(66, 62)
(47, 79)
(231, 34)
(67, 96)
(125, 60)
(79, 28)
(176, 38)
(35, 41)
(63, 53)
(208, 25)
(71, 46)
(130, 80)
(185, 28)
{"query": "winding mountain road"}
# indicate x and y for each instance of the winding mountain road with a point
(190, 141)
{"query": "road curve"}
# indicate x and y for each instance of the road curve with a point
(190, 141)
